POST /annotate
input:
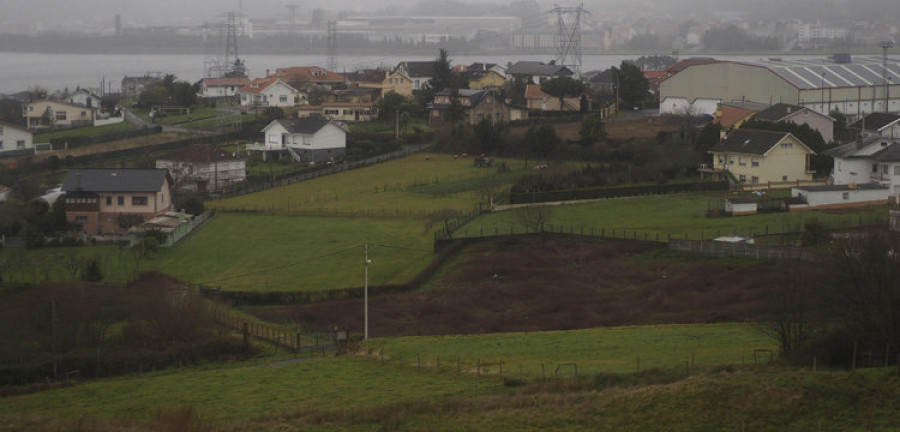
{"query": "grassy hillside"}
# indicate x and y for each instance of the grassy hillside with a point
(411, 186)
(677, 215)
(254, 252)
(592, 351)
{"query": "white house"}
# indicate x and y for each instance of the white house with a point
(14, 138)
(84, 97)
(313, 139)
(868, 160)
(222, 87)
(878, 124)
(269, 92)
(204, 168)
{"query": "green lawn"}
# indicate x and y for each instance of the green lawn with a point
(89, 131)
(676, 215)
(255, 252)
(228, 395)
(611, 350)
(410, 186)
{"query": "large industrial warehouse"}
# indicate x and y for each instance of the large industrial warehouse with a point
(855, 85)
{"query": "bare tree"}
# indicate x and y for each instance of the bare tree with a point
(790, 312)
(534, 217)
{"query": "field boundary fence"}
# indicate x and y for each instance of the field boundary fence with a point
(785, 235)
(613, 192)
(516, 372)
(283, 336)
(267, 182)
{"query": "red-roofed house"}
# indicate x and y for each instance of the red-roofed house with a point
(536, 99)
(269, 92)
(204, 168)
(222, 87)
(304, 77)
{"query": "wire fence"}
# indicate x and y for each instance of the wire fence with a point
(785, 234)
(287, 337)
(520, 371)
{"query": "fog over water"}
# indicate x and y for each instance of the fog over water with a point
(56, 72)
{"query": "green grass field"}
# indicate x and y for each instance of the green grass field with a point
(229, 395)
(603, 350)
(89, 131)
(254, 252)
(410, 186)
(677, 215)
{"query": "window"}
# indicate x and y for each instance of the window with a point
(81, 219)
(60, 115)
(742, 161)
(282, 98)
(1, 130)
(121, 200)
(1, 144)
(109, 200)
(20, 144)
(787, 145)
(845, 195)
(139, 200)
(884, 169)
(896, 169)
(754, 180)
(754, 162)
(784, 178)
(742, 178)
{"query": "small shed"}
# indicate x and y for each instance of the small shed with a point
(837, 196)
(741, 206)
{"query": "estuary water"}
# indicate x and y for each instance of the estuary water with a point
(20, 71)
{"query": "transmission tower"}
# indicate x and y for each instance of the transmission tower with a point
(568, 36)
(293, 10)
(332, 46)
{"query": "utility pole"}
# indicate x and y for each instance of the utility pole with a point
(53, 337)
(885, 46)
(366, 294)
(332, 46)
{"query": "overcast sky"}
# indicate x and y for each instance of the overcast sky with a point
(190, 12)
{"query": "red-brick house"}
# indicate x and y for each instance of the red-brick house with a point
(109, 200)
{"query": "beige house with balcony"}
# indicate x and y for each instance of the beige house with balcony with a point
(757, 158)
(109, 201)
(47, 114)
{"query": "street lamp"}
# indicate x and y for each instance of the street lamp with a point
(885, 46)
(366, 294)
(823, 93)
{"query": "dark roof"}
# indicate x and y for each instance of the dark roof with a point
(373, 76)
(418, 69)
(481, 66)
(538, 68)
(875, 121)
(607, 77)
(304, 125)
(777, 112)
(114, 180)
(13, 126)
(749, 141)
(686, 63)
(475, 96)
(890, 152)
(200, 153)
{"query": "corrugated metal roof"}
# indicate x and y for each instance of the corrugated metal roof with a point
(807, 74)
